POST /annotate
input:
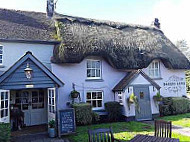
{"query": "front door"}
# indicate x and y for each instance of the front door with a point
(143, 111)
(33, 104)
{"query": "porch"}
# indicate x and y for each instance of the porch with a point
(28, 88)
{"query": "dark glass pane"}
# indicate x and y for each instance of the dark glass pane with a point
(97, 73)
(88, 96)
(88, 73)
(89, 64)
(52, 101)
(99, 95)
(6, 112)
(41, 93)
(93, 64)
(2, 113)
(49, 108)
(25, 107)
(34, 106)
(2, 104)
(6, 95)
(6, 104)
(2, 96)
(34, 94)
(97, 64)
(53, 94)
(53, 109)
(41, 99)
(93, 95)
(99, 103)
(93, 103)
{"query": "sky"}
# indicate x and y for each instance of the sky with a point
(172, 14)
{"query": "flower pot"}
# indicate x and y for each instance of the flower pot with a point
(158, 99)
(74, 94)
(51, 132)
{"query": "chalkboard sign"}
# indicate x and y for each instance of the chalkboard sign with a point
(66, 121)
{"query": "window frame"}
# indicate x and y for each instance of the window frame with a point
(1, 63)
(8, 103)
(50, 99)
(152, 68)
(94, 60)
(96, 91)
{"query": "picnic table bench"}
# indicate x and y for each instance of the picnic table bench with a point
(147, 138)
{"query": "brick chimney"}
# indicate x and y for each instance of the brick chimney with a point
(50, 8)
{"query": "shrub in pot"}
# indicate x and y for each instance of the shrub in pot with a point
(133, 100)
(157, 97)
(51, 129)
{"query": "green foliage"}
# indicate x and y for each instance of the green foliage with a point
(114, 110)
(188, 81)
(174, 105)
(5, 132)
(84, 114)
(52, 124)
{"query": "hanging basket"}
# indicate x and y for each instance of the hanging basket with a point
(74, 94)
(157, 97)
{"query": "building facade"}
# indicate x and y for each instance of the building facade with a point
(42, 60)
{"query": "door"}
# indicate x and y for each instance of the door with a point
(143, 111)
(33, 104)
(4, 106)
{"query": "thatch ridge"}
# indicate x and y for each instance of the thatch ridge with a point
(124, 46)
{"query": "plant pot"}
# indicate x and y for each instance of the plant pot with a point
(158, 99)
(74, 94)
(51, 132)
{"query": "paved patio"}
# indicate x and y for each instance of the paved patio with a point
(178, 129)
(42, 137)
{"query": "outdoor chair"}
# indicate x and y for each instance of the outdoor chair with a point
(163, 128)
(101, 135)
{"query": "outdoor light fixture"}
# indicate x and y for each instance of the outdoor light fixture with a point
(28, 71)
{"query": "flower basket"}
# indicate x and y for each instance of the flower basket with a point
(157, 97)
(74, 94)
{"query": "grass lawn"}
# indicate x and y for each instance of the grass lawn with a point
(122, 130)
(179, 120)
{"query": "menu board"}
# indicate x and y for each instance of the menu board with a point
(66, 121)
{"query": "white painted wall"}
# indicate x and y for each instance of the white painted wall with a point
(12, 52)
(165, 75)
(76, 73)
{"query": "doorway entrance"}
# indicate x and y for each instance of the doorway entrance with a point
(34, 105)
(143, 96)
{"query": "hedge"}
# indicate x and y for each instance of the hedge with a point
(5, 132)
(84, 114)
(174, 105)
(114, 110)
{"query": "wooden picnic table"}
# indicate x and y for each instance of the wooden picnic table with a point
(147, 138)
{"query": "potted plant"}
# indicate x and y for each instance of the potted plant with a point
(74, 94)
(51, 129)
(133, 99)
(157, 97)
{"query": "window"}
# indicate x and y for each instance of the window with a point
(4, 104)
(120, 98)
(95, 98)
(51, 101)
(1, 54)
(93, 69)
(154, 69)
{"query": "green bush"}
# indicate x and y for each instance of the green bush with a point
(114, 110)
(174, 105)
(5, 132)
(84, 114)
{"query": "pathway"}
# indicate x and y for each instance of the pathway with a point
(41, 137)
(178, 129)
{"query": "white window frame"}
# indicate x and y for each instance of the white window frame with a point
(120, 97)
(50, 99)
(153, 69)
(96, 91)
(5, 118)
(92, 60)
(1, 54)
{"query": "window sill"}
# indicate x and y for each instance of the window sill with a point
(2, 66)
(95, 80)
(159, 78)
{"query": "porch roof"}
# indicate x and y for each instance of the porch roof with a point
(130, 76)
(14, 77)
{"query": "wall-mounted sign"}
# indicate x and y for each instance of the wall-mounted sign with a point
(66, 122)
(174, 84)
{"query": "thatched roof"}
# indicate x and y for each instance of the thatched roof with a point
(25, 25)
(123, 46)
(130, 76)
